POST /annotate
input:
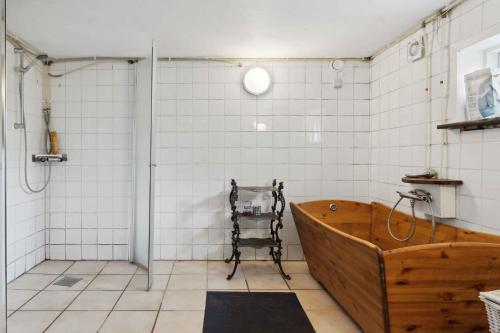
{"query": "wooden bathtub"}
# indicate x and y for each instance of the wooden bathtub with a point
(389, 286)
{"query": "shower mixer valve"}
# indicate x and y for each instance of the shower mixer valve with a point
(49, 158)
(414, 196)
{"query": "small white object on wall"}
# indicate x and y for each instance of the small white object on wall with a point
(337, 66)
(256, 81)
(416, 49)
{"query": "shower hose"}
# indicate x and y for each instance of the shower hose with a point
(23, 121)
(413, 226)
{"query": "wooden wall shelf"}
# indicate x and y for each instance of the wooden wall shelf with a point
(472, 125)
(432, 181)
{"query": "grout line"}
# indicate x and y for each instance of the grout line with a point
(117, 300)
(38, 291)
(78, 295)
(99, 273)
(162, 299)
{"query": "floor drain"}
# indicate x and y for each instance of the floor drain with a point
(67, 281)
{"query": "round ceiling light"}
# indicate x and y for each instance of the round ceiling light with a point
(257, 81)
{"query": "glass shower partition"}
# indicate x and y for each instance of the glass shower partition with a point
(144, 164)
(3, 167)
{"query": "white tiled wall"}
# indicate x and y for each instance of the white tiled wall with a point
(398, 122)
(90, 195)
(322, 142)
(303, 132)
(25, 211)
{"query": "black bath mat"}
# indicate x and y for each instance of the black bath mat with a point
(245, 312)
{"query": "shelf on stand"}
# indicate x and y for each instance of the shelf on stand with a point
(258, 188)
(431, 181)
(473, 125)
(257, 243)
(263, 216)
(274, 218)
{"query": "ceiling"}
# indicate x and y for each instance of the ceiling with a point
(214, 28)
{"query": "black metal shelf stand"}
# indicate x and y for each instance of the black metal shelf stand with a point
(275, 218)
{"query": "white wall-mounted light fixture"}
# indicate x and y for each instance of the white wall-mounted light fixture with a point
(337, 66)
(256, 81)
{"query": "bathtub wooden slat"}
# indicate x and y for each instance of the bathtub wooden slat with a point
(400, 223)
(348, 267)
(350, 217)
(439, 292)
(473, 236)
(455, 322)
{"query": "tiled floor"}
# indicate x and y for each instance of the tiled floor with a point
(111, 298)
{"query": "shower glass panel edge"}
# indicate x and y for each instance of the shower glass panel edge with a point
(3, 168)
(153, 164)
(142, 229)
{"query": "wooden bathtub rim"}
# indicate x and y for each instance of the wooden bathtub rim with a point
(354, 238)
(378, 250)
(459, 231)
(447, 245)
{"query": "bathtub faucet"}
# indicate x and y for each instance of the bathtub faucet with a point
(414, 196)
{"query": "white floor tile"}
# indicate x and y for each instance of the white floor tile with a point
(78, 322)
(162, 267)
(16, 298)
(110, 282)
(266, 281)
(179, 321)
(316, 300)
(187, 281)
(119, 267)
(139, 282)
(220, 282)
(190, 267)
(327, 321)
(32, 281)
(95, 300)
(51, 267)
(51, 300)
(86, 267)
(258, 267)
(295, 267)
(184, 300)
(140, 300)
(130, 322)
(303, 281)
(220, 267)
(30, 321)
